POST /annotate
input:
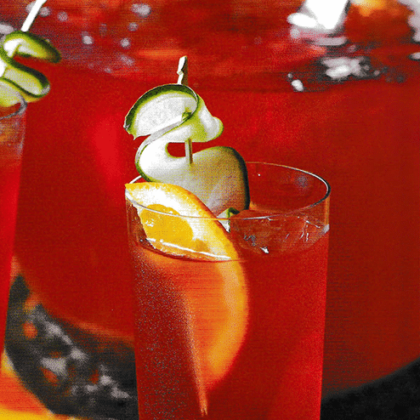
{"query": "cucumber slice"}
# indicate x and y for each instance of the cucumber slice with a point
(166, 107)
(217, 176)
(30, 83)
(176, 114)
(27, 44)
(7, 98)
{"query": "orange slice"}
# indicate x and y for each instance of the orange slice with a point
(216, 292)
(198, 234)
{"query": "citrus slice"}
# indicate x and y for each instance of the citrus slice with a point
(197, 234)
(214, 290)
(176, 114)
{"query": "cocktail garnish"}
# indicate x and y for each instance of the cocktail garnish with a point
(203, 238)
(174, 113)
(177, 206)
(30, 83)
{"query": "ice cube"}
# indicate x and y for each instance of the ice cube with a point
(265, 234)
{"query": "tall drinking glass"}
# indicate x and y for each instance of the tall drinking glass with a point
(12, 131)
(239, 338)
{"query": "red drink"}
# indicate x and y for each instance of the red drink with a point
(361, 135)
(10, 164)
(190, 364)
(84, 241)
(12, 128)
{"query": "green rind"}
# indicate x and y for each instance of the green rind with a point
(229, 212)
(232, 212)
(30, 83)
(244, 171)
(225, 217)
(30, 45)
(137, 162)
(150, 95)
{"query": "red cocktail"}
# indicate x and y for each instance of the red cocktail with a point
(84, 242)
(238, 337)
(12, 130)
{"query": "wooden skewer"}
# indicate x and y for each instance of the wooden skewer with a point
(32, 15)
(183, 80)
(183, 71)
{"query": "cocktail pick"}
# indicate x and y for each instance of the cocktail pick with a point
(183, 80)
(183, 71)
(32, 15)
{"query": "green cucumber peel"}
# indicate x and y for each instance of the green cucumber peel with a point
(176, 114)
(176, 102)
(228, 213)
(30, 83)
(26, 44)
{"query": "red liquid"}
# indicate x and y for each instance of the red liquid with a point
(77, 159)
(10, 166)
(362, 136)
(276, 370)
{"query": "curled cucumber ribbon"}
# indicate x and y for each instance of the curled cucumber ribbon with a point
(176, 114)
(30, 83)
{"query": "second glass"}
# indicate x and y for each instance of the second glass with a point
(240, 338)
(12, 132)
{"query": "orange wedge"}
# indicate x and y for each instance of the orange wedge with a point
(198, 234)
(216, 293)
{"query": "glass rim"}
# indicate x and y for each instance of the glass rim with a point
(274, 214)
(22, 103)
